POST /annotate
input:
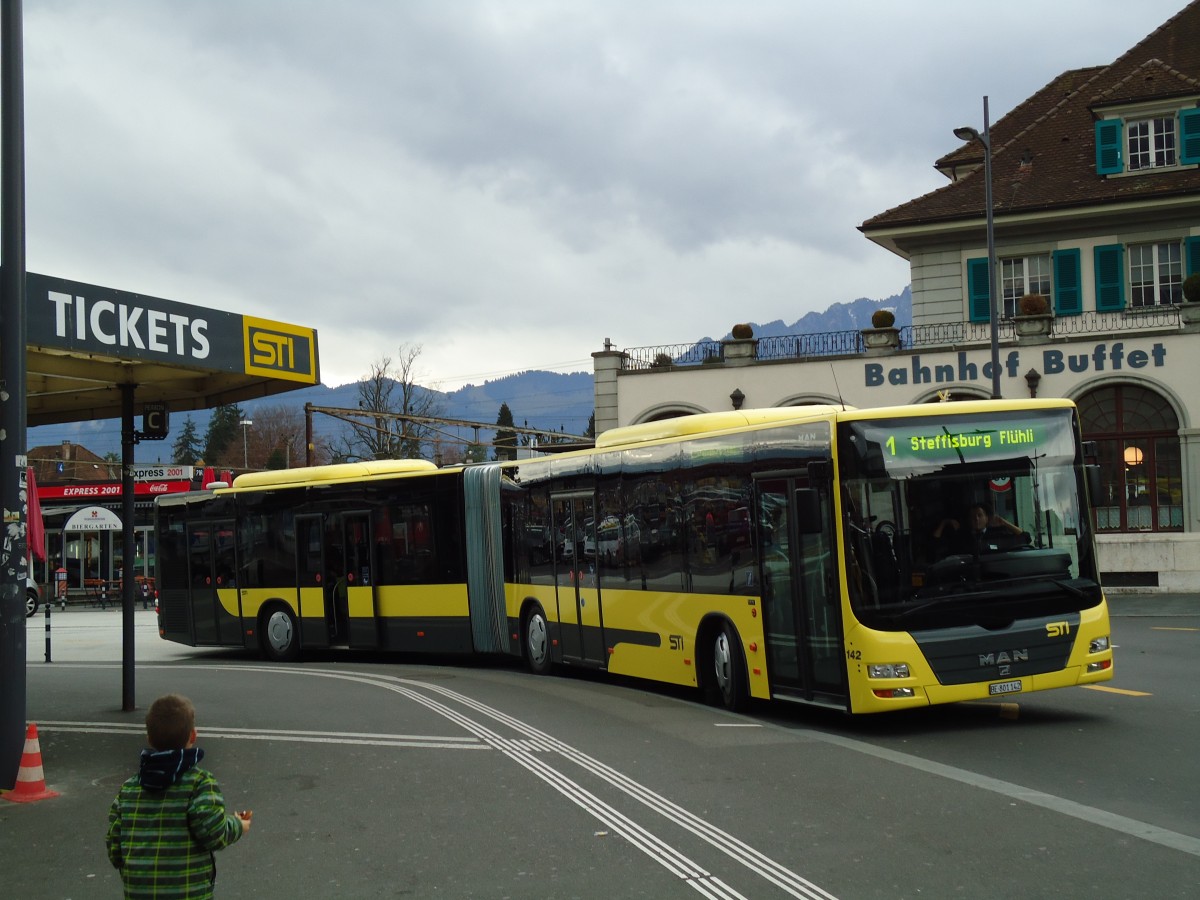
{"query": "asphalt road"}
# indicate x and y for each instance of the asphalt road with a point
(374, 778)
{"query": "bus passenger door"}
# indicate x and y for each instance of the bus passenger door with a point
(310, 578)
(360, 580)
(581, 624)
(211, 569)
(800, 597)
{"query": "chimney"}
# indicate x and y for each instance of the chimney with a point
(66, 451)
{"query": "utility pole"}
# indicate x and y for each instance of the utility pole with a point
(14, 556)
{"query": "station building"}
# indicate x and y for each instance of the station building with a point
(1096, 209)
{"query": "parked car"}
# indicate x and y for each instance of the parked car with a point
(33, 596)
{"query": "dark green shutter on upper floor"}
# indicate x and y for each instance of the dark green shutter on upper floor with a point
(1189, 137)
(1110, 277)
(979, 290)
(1109, 158)
(1068, 296)
(1191, 255)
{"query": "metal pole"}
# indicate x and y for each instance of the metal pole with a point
(13, 408)
(993, 272)
(129, 550)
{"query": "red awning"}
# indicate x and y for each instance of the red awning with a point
(35, 530)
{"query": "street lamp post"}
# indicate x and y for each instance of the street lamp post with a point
(966, 133)
(245, 423)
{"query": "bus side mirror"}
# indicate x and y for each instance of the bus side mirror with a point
(1093, 483)
(820, 473)
(808, 511)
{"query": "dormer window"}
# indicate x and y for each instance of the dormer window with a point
(1145, 142)
(1151, 143)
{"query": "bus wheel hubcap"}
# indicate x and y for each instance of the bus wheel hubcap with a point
(537, 639)
(279, 630)
(721, 662)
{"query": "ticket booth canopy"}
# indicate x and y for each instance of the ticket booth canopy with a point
(88, 345)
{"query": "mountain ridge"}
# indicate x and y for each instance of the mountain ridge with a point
(553, 401)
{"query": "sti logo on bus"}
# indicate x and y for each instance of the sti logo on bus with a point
(279, 350)
(1058, 629)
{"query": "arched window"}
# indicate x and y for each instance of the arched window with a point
(1141, 473)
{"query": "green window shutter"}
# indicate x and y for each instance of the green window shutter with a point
(1189, 137)
(1110, 277)
(1109, 158)
(1068, 298)
(979, 290)
(1191, 255)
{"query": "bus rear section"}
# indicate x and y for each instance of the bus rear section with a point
(363, 555)
(970, 563)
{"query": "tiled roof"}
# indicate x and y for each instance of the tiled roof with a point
(1044, 150)
(82, 464)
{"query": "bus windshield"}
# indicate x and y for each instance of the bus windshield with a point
(955, 520)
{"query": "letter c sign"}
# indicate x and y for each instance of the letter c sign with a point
(155, 421)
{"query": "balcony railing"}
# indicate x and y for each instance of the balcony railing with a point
(943, 335)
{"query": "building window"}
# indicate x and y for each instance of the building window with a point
(1151, 143)
(1023, 275)
(1156, 274)
(1141, 472)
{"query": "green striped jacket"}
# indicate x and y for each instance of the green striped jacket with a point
(163, 841)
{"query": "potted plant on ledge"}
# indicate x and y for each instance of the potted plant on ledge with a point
(1190, 310)
(1034, 318)
(883, 333)
(741, 348)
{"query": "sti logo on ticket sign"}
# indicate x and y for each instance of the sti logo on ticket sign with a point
(279, 350)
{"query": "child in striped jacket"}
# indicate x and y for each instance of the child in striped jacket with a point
(168, 820)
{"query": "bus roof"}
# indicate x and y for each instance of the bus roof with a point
(354, 471)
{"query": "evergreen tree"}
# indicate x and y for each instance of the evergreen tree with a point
(187, 448)
(223, 430)
(591, 426)
(506, 438)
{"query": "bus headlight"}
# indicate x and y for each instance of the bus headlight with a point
(888, 670)
(1098, 645)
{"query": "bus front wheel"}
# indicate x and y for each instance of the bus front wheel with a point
(537, 642)
(727, 670)
(278, 635)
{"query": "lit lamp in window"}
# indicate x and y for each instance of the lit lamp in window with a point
(1133, 456)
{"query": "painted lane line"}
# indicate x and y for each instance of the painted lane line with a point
(694, 875)
(248, 735)
(1090, 814)
(756, 861)
(1112, 690)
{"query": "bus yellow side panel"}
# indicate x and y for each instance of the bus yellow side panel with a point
(229, 600)
(422, 601)
(652, 634)
(312, 603)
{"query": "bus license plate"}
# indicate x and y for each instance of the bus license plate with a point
(1004, 687)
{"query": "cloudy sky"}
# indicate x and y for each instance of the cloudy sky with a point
(509, 182)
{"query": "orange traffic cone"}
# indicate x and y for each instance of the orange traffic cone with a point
(31, 781)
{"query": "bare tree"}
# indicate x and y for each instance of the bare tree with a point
(276, 439)
(390, 390)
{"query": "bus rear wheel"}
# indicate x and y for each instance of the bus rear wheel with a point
(536, 634)
(727, 670)
(278, 635)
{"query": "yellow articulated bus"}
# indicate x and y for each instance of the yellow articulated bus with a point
(864, 560)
